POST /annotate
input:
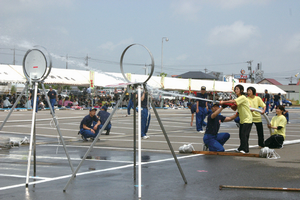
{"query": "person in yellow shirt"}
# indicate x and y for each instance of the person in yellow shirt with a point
(245, 117)
(278, 123)
(256, 102)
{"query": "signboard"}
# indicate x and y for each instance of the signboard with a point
(241, 76)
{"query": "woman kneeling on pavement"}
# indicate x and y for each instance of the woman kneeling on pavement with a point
(278, 123)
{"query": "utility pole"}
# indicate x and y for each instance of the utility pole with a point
(250, 69)
(67, 61)
(87, 60)
(14, 61)
(205, 70)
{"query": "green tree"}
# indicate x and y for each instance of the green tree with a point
(81, 88)
(13, 89)
(163, 74)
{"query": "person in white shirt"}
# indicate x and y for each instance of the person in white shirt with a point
(6, 103)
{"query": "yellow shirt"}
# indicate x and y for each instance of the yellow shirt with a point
(243, 109)
(279, 121)
(255, 103)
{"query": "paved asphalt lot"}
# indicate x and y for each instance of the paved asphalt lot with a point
(108, 171)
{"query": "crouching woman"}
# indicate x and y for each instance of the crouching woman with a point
(278, 123)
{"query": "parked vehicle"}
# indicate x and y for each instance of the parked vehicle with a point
(285, 102)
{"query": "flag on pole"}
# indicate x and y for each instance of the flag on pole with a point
(92, 76)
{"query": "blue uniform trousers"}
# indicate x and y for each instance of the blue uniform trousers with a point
(216, 142)
(88, 133)
(287, 117)
(200, 116)
(145, 121)
(130, 105)
(37, 103)
(267, 106)
(276, 103)
(108, 127)
(52, 101)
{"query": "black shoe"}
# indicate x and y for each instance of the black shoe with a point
(83, 138)
(107, 132)
(92, 139)
(205, 147)
(78, 132)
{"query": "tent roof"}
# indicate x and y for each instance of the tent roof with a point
(14, 74)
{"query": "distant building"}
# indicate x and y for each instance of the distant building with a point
(219, 75)
(197, 75)
(269, 81)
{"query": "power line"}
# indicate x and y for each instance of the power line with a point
(206, 65)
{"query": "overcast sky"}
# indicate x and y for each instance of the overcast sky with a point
(218, 35)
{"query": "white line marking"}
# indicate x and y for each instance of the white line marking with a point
(93, 172)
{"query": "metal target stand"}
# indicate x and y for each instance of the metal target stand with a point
(138, 87)
(36, 70)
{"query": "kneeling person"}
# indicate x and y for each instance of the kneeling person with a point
(212, 139)
(278, 123)
(89, 126)
(103, 115)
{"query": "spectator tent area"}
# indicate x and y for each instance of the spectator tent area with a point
(14, 74)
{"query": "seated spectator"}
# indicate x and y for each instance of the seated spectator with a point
(68, 103)
(60, 102)
(6, 103)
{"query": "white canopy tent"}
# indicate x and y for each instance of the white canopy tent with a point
(14, 74)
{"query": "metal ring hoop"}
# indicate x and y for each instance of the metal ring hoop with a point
(47, 67)
(49, 61)
(24, 59)
(152, 62)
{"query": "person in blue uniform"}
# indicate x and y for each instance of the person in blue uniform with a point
(267, 101)
(276, 101)
(130, 103)
(201, 110)
(146, 117)
(31, 95)
(53, 97)
(212, 139)
(192, 107)
(89, 126)
(103, 115)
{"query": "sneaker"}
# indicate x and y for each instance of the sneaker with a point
(288, 122)
(201, 132)
(78, 132)
(241, 151)
(145, 137)
(83, 138)
(205, 147)
(107, 132)
(237, 150)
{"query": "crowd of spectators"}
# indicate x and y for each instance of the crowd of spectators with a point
(84, 101)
